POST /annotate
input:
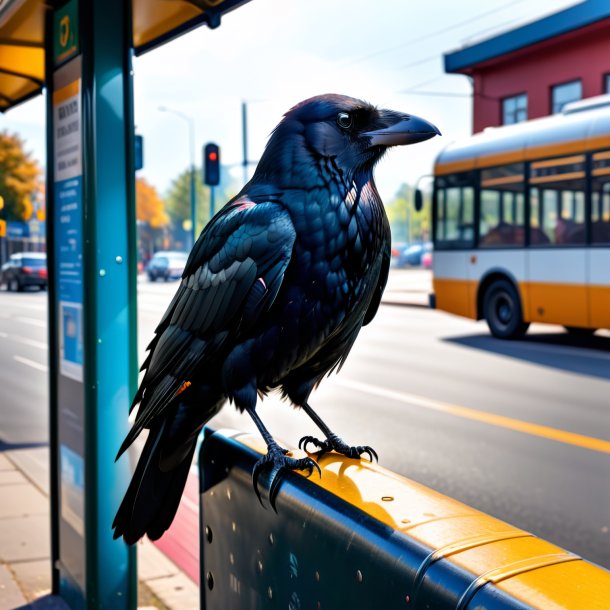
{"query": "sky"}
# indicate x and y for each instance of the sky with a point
(274, 53)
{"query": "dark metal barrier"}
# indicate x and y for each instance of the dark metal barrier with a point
(363, 537)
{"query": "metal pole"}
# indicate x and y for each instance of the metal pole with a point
(193, 192)
(244, 137)
(212, 201)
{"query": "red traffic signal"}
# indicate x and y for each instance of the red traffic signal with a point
(211, 164)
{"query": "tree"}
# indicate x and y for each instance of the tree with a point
(19, 177)
(150, 207)
(179, 200)
(407, 224)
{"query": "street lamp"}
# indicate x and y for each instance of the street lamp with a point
(191, 126)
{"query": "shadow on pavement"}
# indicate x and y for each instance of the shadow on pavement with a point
(4, 446)
(587, 355)
(48, 602)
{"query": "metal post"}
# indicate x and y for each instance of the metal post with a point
(212, 201)
(193, 193)
(244, 137)
(93, 347)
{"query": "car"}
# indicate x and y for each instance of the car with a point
(166, 265)
(426, 259)
(409, 255)
(24, 269)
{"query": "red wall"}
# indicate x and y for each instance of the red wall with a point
(583, 55)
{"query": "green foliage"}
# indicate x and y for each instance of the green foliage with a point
(19, 177)
(178, 200)
(407, 224)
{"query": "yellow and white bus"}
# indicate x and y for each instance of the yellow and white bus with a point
(521, 223)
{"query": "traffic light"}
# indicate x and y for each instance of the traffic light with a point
(211, 164)
(138, 152)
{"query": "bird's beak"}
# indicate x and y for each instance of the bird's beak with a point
(402, 129)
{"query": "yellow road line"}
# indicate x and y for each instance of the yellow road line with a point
(561, 436)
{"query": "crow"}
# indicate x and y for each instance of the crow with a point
(274, 293)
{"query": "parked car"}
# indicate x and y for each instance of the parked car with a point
(405, 255)
(166, 265)
(426, 259)
(24, 269)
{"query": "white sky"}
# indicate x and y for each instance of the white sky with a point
(274, 53)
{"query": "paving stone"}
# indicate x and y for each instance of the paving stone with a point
(34, 577)
(11, 477)
(10, 595)
(24, 538)
(5, 463)
(177, 592)
(152, 563)
(22, 500)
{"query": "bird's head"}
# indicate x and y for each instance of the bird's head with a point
(353, 133)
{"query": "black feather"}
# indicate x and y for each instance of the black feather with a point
(273, 295)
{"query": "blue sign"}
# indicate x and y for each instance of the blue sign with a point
(69, 235)
(16, 229)
(69, 265)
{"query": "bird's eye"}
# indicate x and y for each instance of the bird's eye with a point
(344, 120)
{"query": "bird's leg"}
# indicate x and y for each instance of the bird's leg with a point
(333, 442)
(277, 460)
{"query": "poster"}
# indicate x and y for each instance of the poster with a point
(67, 127)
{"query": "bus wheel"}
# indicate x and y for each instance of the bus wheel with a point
(502, 309)
(579, 331)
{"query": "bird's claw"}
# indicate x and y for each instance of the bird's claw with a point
(334, 443)
(306, 440)
(277, 459)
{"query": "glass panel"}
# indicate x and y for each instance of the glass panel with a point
(502, 206)
(455, 211)
(564, 94)
(600, 198)
(514, 109)
(607, 83)
(557, 201)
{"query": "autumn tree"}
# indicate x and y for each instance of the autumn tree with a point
(150, 207)
(19, 177)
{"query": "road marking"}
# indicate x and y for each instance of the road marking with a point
(35, 365)
(554, 434)
(24, 341)
(32, 321)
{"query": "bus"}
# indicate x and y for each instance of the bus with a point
(521, 223)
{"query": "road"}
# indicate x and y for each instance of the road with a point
(520, 430)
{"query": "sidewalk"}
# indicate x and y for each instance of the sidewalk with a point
(25, 565)
(410, 287)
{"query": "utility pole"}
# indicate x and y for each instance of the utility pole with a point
(244, 137)
(193, 194)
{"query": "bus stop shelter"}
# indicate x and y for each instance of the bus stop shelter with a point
(80, 52)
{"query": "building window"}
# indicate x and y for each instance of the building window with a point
(606, 83)
(514, 109)
(564, 94)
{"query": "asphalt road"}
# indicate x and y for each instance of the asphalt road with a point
(520, 430)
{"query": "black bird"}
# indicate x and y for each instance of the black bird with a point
(273, 295)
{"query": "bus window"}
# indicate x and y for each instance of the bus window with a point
(600, 198)
(454, 211)
(557, 201)
(502, 206)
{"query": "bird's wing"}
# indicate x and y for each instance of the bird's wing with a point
(232, 276)
(386, 257)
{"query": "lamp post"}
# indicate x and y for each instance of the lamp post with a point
(191, 127)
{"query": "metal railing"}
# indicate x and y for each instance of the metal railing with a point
(363, 537)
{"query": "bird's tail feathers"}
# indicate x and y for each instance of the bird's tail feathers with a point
(153, 496)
